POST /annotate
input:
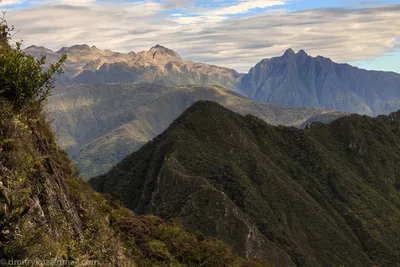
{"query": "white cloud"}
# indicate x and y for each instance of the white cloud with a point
(245, 6)
(72, 2)
(11, 2)
(341, 34)
(223, 12)
(197, 19)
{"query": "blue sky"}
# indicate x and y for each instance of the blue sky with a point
(236, 34)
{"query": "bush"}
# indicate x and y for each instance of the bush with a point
(22, 78)
(5, 33)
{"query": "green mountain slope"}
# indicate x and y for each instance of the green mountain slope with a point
(324, 196)
(50, 217)
(100, 124)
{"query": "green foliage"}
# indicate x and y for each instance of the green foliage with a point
(5, 33)
(23, 79)
(154, 242)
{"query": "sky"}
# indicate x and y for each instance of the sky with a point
(231, 33)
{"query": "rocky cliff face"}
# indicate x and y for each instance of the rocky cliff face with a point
(47, 212)
(324, 196)
(298, 80)
(100, 124)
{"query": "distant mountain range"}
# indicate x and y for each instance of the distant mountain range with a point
(298, 80)
(159, 65)
(324, 196)
(100, 124)
(102, 113)
(292, 80)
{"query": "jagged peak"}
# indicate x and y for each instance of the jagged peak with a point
(157, 46)
(163, 49)
(94, 48)
(301, 53)
(289, 52)
(161, 53)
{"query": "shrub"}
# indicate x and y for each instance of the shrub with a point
(22, 78)
(5, 33)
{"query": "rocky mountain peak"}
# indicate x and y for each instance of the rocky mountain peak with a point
(163, 51)
(289, 53)
(302, 53)
(157, 46)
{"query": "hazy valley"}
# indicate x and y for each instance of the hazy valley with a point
(100, 124)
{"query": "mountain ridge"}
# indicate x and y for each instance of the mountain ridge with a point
(50, 216)
(325, 196)
(293, 79)
(158, 65)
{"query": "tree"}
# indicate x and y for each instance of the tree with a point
(23, 79)
(5, 33)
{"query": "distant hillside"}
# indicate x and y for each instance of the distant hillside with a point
(159, 65)
(324, 196)
(298, 80)
(100, 124)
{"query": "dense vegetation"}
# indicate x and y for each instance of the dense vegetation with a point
(324, 196)
(50, 217)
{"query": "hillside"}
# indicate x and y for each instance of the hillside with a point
(324, 196)
(48, 215)
(100, 124)
(159, 65)
(298, 80)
